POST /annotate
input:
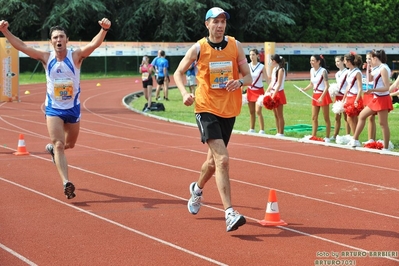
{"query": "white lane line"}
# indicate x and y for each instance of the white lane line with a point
(166, 243)
(16, 254)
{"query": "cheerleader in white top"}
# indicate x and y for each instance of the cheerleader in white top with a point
(353, 93)
(258, 73)
(276, 89)
(62, 68)
(367, 97)
(381, 104)
(321, 96)
(341, 79)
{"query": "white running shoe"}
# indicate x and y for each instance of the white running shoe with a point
(251, 131)
(261, 132)
(234, 220)
(354, 143)
(194, 203)
(279, 135)
(327, 140)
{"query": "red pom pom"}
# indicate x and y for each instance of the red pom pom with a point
(374, 145)
(271, 103)
(316, 138)
(352, 110)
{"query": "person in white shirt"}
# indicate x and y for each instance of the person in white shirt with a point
(62, 103)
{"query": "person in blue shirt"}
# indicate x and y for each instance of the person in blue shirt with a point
(190, 76)
(162, 65)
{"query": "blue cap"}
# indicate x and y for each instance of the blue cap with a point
(216, 11)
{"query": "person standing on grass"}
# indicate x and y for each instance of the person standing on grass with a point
(341, 79)
(381, 104)
(146, 77)
(367, 97)
(218, 99)
(321, 96)
(62, 103)
(258, 73)
(276, 89)
(191, 79)
(162, 65)
(353, 93)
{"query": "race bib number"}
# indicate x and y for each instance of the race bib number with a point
(144, 76)
(220, 73)
(63, 89)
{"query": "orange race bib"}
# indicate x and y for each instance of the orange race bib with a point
(63, 89)
(220, 73)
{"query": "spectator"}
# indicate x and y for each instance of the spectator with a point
(381, 103)
(276, 88)
(258, 73)
(353, 93)
(341, 79)
(146, 70)
(191, 79)
(321, 95)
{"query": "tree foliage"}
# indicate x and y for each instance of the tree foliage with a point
(183, 20)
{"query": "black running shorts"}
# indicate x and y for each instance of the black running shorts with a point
(214, 127)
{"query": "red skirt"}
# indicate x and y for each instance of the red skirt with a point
(281, 95)
(367, 98)
(339, 97)
(351, 100)
(326, 101)
(350, 108)
(253, 95)
(380, 103)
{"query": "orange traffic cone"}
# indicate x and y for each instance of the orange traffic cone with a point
(272, 216)
(21, 146)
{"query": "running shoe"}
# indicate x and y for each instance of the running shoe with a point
(50, 149)
(194, 203)
(69, 190)
(354, 143)
(234, 220)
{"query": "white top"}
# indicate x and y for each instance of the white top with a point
(316, 77)
(274, 79)
(63, 82)
(257, 76)
(377, 79)
(352, 81)
(341, 78)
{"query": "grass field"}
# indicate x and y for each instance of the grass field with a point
(296, 112)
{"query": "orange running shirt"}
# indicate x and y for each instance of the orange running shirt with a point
(215, 67)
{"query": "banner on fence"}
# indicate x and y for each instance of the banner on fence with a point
(179, 49)
(9, 68)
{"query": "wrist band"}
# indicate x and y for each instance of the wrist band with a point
(104, 29)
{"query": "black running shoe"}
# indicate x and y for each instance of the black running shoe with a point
(69, 190)
(50, 149)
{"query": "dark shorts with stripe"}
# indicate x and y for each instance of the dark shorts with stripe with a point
(214, 127)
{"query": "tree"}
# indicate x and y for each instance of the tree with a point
(29, 17)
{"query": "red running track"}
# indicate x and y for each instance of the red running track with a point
(132, 174)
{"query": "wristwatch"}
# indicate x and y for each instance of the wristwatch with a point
(241, 82)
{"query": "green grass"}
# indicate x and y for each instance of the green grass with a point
(297, 111)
